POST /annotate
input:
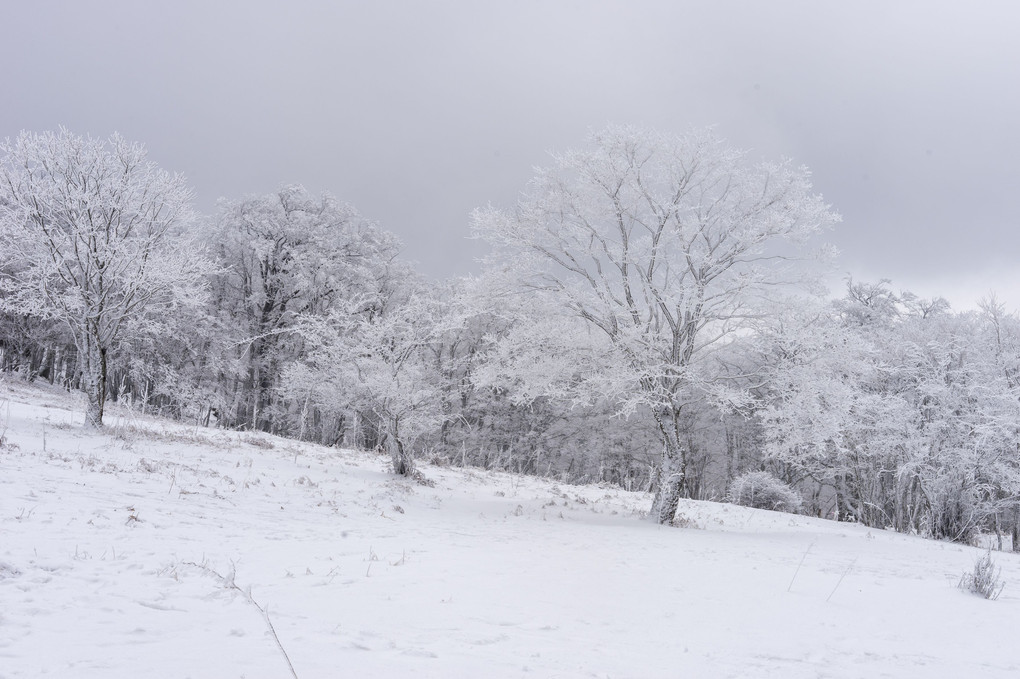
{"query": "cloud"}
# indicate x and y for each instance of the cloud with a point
(418, 112)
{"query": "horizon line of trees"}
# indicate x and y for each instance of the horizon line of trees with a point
(646, 320)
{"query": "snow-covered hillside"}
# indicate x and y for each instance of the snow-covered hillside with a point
(148, 550)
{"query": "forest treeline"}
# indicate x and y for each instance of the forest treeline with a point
(647, 319)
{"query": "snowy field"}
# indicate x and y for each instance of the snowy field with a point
(148, 550)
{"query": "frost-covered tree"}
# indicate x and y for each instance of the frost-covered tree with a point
(93, 233)
(374, 358)
(829, 417)
(1001, 332)
(496, 423)
(663, 246)
(905, 412)
(285, 255)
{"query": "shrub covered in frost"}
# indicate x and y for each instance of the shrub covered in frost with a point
(761, 490)
(984, 580)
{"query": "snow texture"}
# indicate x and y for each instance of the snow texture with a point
(147, 550)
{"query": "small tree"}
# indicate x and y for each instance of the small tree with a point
(92, 229)
(372, 356)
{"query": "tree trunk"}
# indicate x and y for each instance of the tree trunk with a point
(403, 464)
(998, 531)
(672, 468)
(25, 366)
(671, 486)
(46, 365)
(94, 383)
(1015, 533)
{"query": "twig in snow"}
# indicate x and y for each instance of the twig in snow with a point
(845, 573)
(799, 565)
(228, 582)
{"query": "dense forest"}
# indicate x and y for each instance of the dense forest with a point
(650, 316)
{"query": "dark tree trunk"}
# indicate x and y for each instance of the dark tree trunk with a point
(403, 463)
(1015, 533)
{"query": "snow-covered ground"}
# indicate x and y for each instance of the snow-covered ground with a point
(147, 550)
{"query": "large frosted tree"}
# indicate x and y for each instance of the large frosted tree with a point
(282, 256)
(91, 236)
(665, 247)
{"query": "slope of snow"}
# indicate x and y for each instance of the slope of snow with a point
(148, 550)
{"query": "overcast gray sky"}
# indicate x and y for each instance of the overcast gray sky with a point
(908, 113)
